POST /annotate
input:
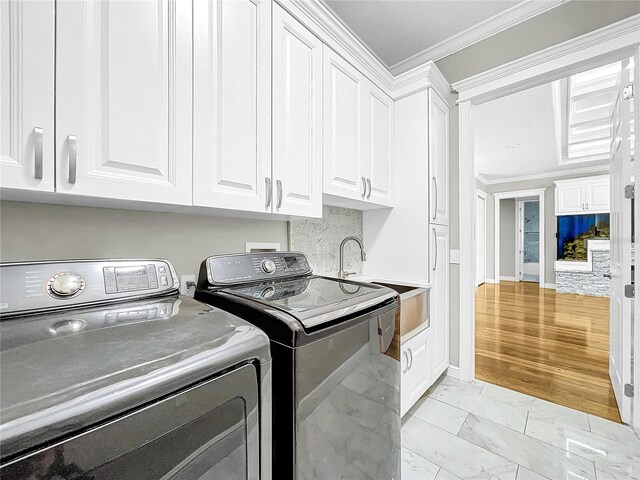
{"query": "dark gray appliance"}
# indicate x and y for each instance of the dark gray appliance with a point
(107, 373)
(336, 369)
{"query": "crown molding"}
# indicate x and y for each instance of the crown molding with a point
(543, 175)
(502, 21)
(621, 35)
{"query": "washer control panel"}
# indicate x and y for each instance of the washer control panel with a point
(35, 286)
(250, 267)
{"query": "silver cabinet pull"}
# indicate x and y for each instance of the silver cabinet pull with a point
(369, 185)
(364, 187)
(406, 355)
(435, 244)
(73, 158)
(607, 275)
(268, 192)
(411, 357)
(38, 140)
(435, 196)
(279, 185)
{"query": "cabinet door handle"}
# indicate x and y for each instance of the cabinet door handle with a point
(279, 186)
(38, 139)
(268, 191)
(435, 196)
(435, 245)
(364, 187)
(73, 158)
(369, 185)
(406, 355)
(411, 358)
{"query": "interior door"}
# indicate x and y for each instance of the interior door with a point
(232, 104)
(621, 248)
(297, 117)
(439, 158)
(636, 316)
(26, 94)
(343, 132)
(481, 240)
(380, 146)
(123, 99)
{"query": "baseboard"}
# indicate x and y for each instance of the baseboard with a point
(550, 285)
(509, 279)
(453, 372)
(490, 280)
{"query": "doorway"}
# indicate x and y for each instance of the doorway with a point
(528, 241)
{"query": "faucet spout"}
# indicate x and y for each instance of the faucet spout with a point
(363, 254)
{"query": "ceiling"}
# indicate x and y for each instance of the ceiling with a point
(525, 119)
(397, 30)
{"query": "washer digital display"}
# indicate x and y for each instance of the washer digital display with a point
(132, 278)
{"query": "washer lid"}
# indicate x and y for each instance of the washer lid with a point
(315, 300)
(62, 372)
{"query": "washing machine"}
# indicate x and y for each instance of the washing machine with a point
(106, 372)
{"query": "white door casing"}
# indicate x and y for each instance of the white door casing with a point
(123, 100)
(26, 94)
(343, 132)
(439, 158)
(621, 252)
(297, 117)
(481, 238)
(232, 104)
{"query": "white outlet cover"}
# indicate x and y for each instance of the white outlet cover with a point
(184, 279)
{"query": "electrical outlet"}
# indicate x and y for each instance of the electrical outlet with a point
(188, 285)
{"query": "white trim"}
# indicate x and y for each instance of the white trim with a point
(550, 285)
(517, 267)
(544, 175)
(453, 372)
(594, 49)
(482, 195)
(605, 45)
(508, 278)
(490, 280)
(532, 192)
(506, 19)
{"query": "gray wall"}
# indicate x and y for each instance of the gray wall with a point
(569, 20)
(507, 238)
(32, 231)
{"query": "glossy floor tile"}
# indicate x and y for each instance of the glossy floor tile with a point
(473, 430)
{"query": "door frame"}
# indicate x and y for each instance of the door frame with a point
(482, 195)
(605, 45)
(533, 193)
(520, 202)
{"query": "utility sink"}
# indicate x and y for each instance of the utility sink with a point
(414, 308)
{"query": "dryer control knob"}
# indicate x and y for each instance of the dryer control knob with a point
(268, 266)
(65, 284)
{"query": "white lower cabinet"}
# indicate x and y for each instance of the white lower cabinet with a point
(439, 295)
(416, 363)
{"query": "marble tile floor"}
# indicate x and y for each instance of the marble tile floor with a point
(482, 431)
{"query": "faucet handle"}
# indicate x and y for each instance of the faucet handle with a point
(349, 274)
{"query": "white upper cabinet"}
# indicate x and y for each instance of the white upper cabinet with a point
(344, 93)
(438, 159)
(26, 94)
(232, 104)
(123, 99)
(297, 118)
(585, 195)
(378, 170)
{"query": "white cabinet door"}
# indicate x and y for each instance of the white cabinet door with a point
(439, 248)
(343, 133)
(597, 196)
(26, 94)
(297, 117)
(439, 158)
(416, 369)
(123, 99)
(232, 104)
(570, 199)
(378, 168)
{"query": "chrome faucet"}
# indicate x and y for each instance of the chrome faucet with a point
(363, 255)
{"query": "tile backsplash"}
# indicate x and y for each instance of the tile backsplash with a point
(320, 239)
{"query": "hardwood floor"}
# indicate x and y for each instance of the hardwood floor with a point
(553, 346)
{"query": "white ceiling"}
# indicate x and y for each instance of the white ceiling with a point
(396, 30)
(527, 119)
